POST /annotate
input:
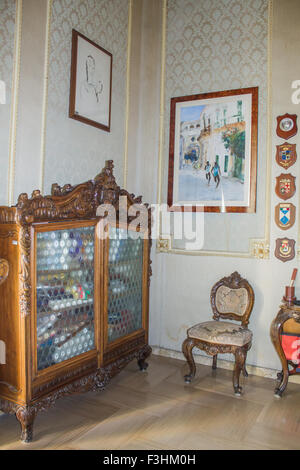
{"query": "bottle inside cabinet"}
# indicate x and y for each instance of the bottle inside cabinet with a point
(65, 294)
(125, 266)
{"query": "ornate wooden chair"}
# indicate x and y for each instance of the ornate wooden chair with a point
(231, 298)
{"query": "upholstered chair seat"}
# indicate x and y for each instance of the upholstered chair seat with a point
(221, 332)
(231, 298)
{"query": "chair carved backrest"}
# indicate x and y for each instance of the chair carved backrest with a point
(232, 298)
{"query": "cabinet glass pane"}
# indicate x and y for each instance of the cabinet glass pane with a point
(65, 294)
(125, 287)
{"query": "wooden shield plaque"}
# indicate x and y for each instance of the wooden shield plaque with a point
(285, 249)
(286, 155)
(285, 214)
(285, 186)
(287, 126)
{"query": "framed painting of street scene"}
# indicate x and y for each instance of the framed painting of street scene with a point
(213, 152)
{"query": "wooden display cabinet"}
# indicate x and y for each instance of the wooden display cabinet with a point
(74, 304)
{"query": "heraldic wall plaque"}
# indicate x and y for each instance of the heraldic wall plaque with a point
(286, 155)
(285, 186)
(285, 249)
(286, 126)
(285, 214)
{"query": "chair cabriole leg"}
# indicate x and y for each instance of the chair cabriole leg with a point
(240, 359)
(187, 349)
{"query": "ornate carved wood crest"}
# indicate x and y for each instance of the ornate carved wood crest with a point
(287, 126)
(285, 249)
(65, 203)
(285, 186)
(285, 214)
(286, 155)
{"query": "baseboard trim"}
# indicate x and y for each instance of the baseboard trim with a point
(222, 363)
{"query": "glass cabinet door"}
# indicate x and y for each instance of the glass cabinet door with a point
(125, 283)
(64, 294)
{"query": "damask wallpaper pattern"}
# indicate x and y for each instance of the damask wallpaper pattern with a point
(76, 151)
(7, 30)
(215, 45)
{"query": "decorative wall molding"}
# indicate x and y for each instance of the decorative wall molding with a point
(14, 102)
(260, 248)
(45, 94)
(162, 102)
(269, 137)
(163, 244)
(127, 93)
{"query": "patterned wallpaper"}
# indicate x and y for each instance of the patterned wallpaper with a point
(76, 151)
(7, 28)
(215, 45)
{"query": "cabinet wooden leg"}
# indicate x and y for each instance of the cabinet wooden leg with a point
(187, 349)
(214, 364)
(26, 415)
(240, 358)
(142, 358)
(143, 365)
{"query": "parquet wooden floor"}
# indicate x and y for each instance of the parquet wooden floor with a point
(157, 410)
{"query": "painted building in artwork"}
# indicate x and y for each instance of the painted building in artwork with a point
(202, 140)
